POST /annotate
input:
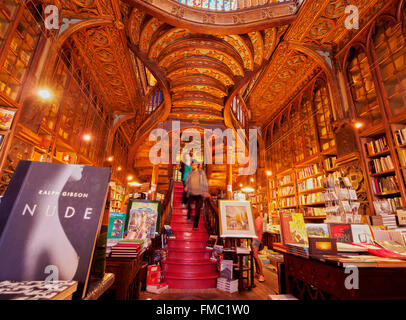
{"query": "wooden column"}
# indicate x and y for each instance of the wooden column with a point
(154, 181)
(229, 182)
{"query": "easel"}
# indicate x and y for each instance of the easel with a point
(229, 243)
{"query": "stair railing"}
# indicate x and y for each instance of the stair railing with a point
(211, 216)
(167, 205)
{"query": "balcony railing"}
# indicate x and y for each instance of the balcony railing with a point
(228, 5)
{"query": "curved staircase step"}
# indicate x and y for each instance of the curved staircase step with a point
(191, 282)
(186, 244)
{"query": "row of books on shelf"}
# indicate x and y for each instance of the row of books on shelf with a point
(308, 171)
(287, 202)
(400, 136)
(286, 191)
(376, 146)
(312, 198)
(286, 179)
(385, 184)
(330, 163)
(381, 164)
(312, 211)
(311, 183)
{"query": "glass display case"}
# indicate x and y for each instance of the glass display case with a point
(363, 88)
(19, 52)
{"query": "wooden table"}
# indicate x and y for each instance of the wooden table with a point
(127, 276)
(313, 279)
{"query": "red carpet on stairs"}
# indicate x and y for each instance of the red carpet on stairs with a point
(188, 264)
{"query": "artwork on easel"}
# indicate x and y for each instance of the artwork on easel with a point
(236, 219)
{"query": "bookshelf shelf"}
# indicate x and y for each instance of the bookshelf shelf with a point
(314, 217)
(383, 173)
(310, 177)
(379, 154)
(313, 204)
(388, 193)
(315, 190)
(287, 196)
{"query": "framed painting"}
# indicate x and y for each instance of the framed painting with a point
(236, 219)
(143, 219)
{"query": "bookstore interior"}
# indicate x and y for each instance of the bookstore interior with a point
(294, 112)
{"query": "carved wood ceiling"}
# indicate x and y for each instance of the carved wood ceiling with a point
(320, 28)
(201, 69)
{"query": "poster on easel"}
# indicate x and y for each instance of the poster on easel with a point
(236, 219)
(143, 219)
(51, 215)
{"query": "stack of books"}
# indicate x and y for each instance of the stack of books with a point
(300, 250)
(157, 288)
(127, 249)
(387, 220)
(226, 285)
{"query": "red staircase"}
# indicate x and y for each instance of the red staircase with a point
(188, 264)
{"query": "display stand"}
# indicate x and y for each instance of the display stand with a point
(244, 272)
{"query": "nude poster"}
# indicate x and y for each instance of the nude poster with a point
(50, 217)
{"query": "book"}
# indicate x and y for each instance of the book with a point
(51, 215)
(157, 288)
(341, 231)
(361, 233)
(381, 207)
(380, 251)
(392, 246)
(226, 269)
(320, 230)
(293, 228)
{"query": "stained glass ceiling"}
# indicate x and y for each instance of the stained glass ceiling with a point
(224, 5)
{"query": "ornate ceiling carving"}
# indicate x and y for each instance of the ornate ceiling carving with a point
(220, 22)
(195, 62)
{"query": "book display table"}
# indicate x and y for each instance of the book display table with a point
(326, 279)
(127, 276)
(98, 287)
(37, 290)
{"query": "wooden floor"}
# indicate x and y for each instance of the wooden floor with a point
(260, 292)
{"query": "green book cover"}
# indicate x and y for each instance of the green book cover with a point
(116, 225)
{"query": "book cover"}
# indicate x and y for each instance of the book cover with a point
(380, 251)
(116, 225)
(341, 231)
(50, 218)
(293, 229)
(317, 230)
(361, 233)
(226, 269)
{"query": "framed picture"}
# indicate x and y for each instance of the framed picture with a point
(236, 219)
(6, 118)
(143, 219)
